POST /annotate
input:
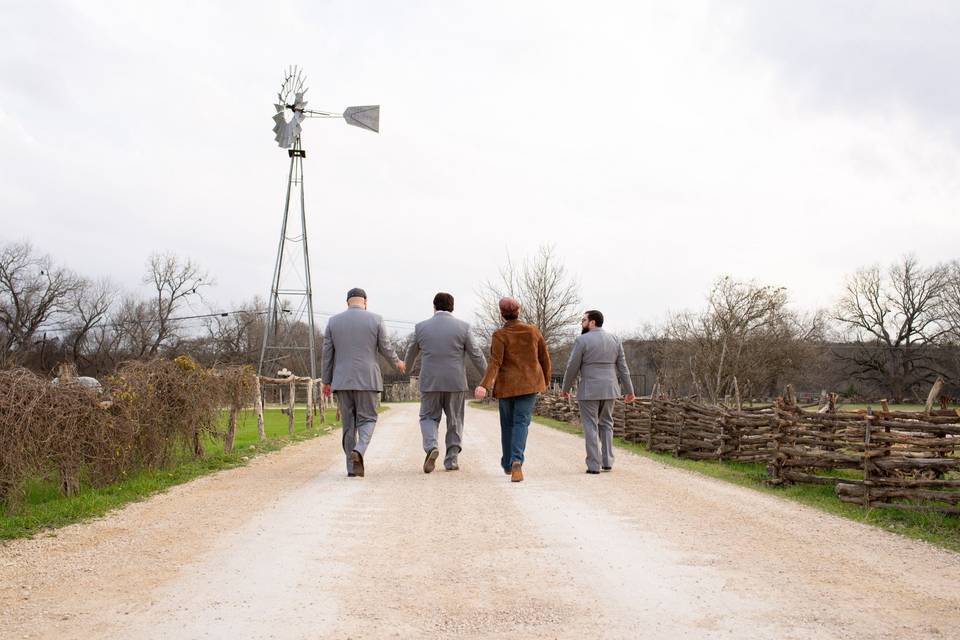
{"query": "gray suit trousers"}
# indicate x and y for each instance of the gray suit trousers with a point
(358, 412)
(432, 405)
(597, 419)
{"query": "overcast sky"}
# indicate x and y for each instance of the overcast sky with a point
(657, 145)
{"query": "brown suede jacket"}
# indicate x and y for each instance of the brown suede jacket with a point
(519, 362)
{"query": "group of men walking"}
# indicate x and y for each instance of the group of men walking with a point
(519, 368)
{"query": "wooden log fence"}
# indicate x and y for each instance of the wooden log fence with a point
(315, 401)
(889, 459)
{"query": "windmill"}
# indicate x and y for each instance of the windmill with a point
(291, 281)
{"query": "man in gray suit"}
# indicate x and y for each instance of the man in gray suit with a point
(349, 368)
(598, 359)
(443, 343)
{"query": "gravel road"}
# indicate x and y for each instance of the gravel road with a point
(288, 547)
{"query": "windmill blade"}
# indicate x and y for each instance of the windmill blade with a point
(365, 117)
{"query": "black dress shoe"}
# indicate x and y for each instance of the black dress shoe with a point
(351, 475)
(607, 468)
(592, 472)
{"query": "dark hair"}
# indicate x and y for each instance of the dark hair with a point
(596, 316)
(443, 302)
(509, 308)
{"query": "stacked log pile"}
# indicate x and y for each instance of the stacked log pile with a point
(554, 406)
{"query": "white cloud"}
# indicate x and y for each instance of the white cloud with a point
(659, 147)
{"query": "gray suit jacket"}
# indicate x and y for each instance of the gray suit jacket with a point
(443, 342)
(598, 359)
(350, 346)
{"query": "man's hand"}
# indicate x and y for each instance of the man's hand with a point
(327, 390)
(402, 366)
(479, 393)
(629, 397)
(565, 395)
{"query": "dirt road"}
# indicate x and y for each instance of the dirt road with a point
(288, 547)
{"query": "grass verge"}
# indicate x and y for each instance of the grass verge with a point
(936, 528)
(43, 508)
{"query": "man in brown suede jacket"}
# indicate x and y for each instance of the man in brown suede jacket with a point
(518, 369)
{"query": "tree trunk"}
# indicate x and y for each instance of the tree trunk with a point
(231, 430)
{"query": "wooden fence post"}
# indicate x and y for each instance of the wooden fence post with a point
(258, 405)
(322, 399)
(866, 457)
(934, 392)
(291, 401)
(683, 419)
(310, 403)
(653, 422)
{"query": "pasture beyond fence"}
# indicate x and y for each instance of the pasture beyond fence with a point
(892, 459)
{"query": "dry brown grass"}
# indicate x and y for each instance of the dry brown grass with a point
(149, 410)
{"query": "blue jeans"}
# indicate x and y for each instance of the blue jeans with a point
(515, 414)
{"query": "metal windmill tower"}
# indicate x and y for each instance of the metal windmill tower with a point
(291, 291)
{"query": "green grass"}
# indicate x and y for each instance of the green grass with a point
(43, 508)
(936, 528)
(893, 407)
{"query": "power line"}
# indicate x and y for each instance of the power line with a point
(64, 326)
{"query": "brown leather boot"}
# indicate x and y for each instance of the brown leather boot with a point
(516, 471)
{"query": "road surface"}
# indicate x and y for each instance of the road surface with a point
(288, 547)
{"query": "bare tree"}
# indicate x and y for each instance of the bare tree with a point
(746, 333)
(951, 300)
(91, 305)
(235, 338)
(174, 281)
(34, 294)
(549, 296)
(895, 319)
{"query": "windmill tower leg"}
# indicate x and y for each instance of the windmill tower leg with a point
(274, 309)
(306, 271)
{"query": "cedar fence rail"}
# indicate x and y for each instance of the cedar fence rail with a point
(889, 459)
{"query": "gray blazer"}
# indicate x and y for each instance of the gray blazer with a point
(443, 343)
(350, 346)
(598, 359)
